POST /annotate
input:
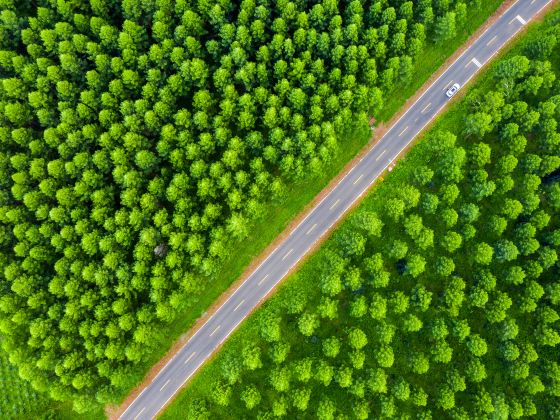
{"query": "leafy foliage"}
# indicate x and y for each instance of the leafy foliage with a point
(465, 325)
(140, 139)
(19, 400)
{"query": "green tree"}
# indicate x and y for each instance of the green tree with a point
(331, 347)
(280, 379)
(357, 338)
(326, 409)
(300, 398)
(251, 397)
(445, 398)
(483, 253)
(308, 323)
(445, 27)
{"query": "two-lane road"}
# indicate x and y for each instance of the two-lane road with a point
(327, 212)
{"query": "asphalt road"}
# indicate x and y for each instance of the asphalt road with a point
(331, 209)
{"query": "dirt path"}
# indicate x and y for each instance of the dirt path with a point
(113, 412)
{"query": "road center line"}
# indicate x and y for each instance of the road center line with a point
(382, 153)
(190, 357)
(358, 179)
(287, 254)
(404, 131)
(312, 228)
(263, 279)
(426, 108)
(215, 329)
(492, 41)
(164, 385)
(138, 415)
(237, 307)
(335, 204)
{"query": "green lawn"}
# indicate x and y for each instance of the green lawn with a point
(202, 383)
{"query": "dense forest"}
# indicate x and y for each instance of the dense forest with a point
(139, 138)
(439, 299)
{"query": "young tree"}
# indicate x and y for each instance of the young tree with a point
(377, 381)
(324, 373)
(308, 323)
(251, 397)
(331, 347)
(357, 338)
(280, 379)
(326, 409)
(300, 398)
(445, 27)
(483, 253)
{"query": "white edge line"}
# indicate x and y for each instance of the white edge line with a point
(420, 131)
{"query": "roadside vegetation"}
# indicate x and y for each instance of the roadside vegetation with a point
(439, 296)
(139, 141)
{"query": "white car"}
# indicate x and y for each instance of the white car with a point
(453, 90)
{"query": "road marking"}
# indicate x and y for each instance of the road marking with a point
(263, 279)
(404, 131)
(358, 179)
(476, 62)
(335, 204)
(164, 385)
(138, 415)
(426, 108)
(287, 254)
(312, 228)
(237, 307)
(449, 85)
(492, 40)
(382, 153)
(215, 329)
(518, 18)
(190, 357)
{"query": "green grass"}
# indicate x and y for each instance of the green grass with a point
(279, 215)
(201, 384)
